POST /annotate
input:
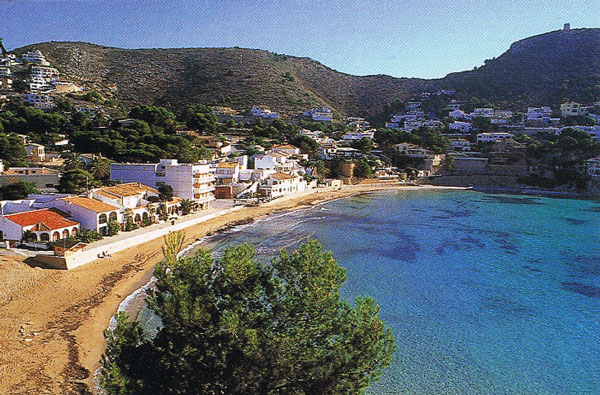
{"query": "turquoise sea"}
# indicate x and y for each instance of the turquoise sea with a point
(484, 293)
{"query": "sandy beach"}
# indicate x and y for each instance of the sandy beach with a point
(52, 321)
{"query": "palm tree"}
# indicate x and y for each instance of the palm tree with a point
(100, 167)
(187, 206)
(73, 162)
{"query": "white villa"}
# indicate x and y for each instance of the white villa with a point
(460, 127)
(281, 184)
(264, 112)
(92, 214)
(320, 114)
(484, 112)
(44, 225)
(36, 56)
(493, 137)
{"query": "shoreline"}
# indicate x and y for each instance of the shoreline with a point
(52, 321)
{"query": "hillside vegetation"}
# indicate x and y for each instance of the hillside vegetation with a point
(539, 70)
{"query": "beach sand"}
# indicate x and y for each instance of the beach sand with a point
(52, 321)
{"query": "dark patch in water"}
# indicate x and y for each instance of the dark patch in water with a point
(468, 240)
(574, 221)
(466, 243)
(508, 307)
(593, 209)
(582, 289)
(457, 213)
(532, 269)
(584, 265)
(512, 200)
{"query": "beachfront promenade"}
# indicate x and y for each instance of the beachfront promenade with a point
(125, 240)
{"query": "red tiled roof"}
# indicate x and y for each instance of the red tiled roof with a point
(46, 219)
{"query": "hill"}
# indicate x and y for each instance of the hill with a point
(229, 76)
(541, 70)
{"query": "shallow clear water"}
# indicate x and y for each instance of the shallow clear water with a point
(484, 293)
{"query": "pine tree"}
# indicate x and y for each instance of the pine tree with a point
(235, 325)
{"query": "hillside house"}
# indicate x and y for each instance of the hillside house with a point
(460, 127)
(264, 112)
(36, 57)
(38, 100)
(35, 152)
(593, 167)
(493, 137)
(320, 114)
(572, 109)
(484, 112)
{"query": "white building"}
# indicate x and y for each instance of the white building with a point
(286, 149)
(264, 112)
(460, 145)
(189, 181)
(281, 184)
(92, 214)
(542, 114)
(458, 114)
(359, 135)
(493, 137)
(5, 71)
(460, 127)
(227, 172)
(40, 101)
(43, 226)
(593, 166)
(572, 109)
(36, 56)
(44, 72)
(484, 112)
(320, 114)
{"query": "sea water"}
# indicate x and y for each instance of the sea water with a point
(484, 293)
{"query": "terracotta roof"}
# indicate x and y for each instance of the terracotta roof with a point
(45, 219)
(284, 146)
(91, 204)
(230, 165)
(13, 171)
(283, 176)
(129, 189)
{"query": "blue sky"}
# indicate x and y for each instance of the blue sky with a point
(401, 38)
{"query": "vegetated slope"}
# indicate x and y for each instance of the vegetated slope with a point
(230, 76)
(542, 70)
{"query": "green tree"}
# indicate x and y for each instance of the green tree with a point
(165, 193)
(235, 325)
(76, 181)
(12, 151)
(363, 169)
(113, 227)
(18, 190)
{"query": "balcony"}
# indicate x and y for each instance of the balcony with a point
(203, 188)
